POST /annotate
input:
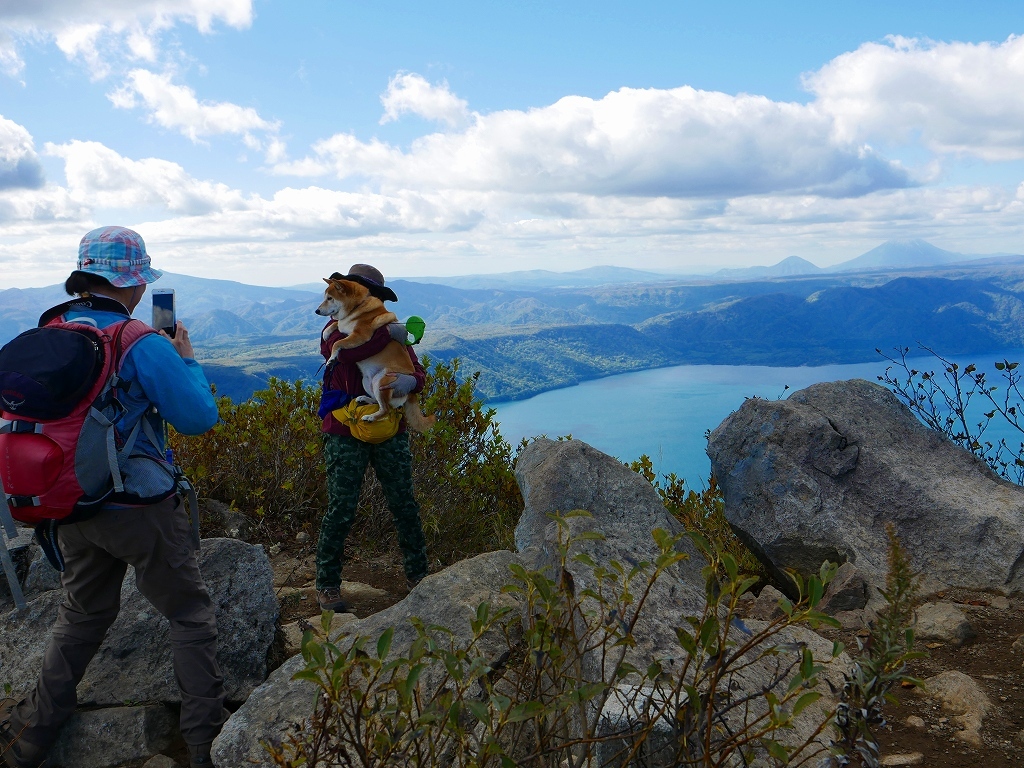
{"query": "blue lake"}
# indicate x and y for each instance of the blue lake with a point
(666, 412)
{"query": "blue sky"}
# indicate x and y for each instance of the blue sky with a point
(273, 142)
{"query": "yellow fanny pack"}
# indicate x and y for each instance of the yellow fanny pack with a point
(368, 431)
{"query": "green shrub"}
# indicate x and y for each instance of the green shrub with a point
(542, 702)
(265, 457)
(702, 512)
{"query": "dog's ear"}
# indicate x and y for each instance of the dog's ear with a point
(339, 285)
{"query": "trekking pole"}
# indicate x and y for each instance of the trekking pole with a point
(10, 532)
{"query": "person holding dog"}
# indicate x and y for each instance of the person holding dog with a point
(347, 457)
(145, 526)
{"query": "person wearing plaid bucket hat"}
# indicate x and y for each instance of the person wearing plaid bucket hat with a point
(145, 526)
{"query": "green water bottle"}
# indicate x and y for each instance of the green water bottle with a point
(415, 326)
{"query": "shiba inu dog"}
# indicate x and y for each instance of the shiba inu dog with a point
(359, 314)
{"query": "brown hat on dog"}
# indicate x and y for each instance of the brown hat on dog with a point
(370, 277)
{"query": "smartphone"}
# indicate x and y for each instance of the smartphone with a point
(164, 318)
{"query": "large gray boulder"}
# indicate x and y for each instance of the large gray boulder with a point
(23, 638)
(35, 574)
(562, 476)
(241, 584)
(134, 663)
(100, 738)
(566, 475)
(818, 476)
(448, 599)
(41, 577)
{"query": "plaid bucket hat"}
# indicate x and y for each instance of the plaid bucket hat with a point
(117, 254)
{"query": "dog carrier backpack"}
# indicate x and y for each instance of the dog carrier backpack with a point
(59, 450)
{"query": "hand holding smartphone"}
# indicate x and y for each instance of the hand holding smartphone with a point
(164, 317)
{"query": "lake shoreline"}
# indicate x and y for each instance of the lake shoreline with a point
(686, 401)
(534, 392)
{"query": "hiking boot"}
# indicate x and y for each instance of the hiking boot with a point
(14, 754)
(199, 756)
(330, 600)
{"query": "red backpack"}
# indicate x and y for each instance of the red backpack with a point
(59, 386)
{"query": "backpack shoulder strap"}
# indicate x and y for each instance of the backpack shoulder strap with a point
(125, 335)
(132, 332)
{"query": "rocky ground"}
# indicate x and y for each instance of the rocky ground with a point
(938, 726)
(922, 729)
(826, 474)
(372, 584)
(971, 712)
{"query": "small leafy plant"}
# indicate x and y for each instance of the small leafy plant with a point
(880, 665)
(700, 511)
(554, 677)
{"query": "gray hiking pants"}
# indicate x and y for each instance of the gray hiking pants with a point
(157, 542)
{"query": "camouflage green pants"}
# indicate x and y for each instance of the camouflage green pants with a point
(346, 464)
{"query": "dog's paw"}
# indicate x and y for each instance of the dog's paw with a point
(365, 400)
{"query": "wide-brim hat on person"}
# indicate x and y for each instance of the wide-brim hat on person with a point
(117, 254)
(371, 277)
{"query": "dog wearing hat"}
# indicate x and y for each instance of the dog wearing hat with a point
(355, 303)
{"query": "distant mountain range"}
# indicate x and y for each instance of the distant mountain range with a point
(788, 267)
(893, 254)
(570, 327)
(538, 278)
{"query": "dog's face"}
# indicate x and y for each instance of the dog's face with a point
(341, 297)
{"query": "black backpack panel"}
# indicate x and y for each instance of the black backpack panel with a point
(46, 372)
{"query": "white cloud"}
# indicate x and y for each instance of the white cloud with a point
(321, 211)
(203, 14)
(10, 61)
(963, 98)
(176, 107)
(99, 177)
(276, 151)
(19, 164)
(679, 143)
(410, 93)
(100, 31)
(666, 178)
(22, 209)
(81, 41)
